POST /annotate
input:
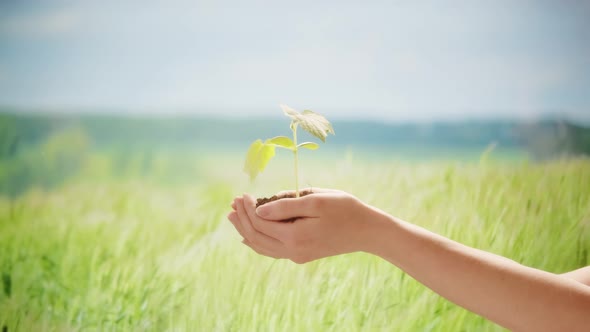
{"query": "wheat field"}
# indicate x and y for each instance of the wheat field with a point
(133, 254)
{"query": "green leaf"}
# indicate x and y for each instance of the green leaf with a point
(251, 164)
(316, 124)
(308, 145)
(258, 156)
(312, 122)
(282, 141)
(293, 114)
(7, 283)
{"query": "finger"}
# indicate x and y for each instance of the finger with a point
(262, 251)
(271, 228)
(233, 217)
(236, 220)
(287, 208)
(252, 235)
(233, 205)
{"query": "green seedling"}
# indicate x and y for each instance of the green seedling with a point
(261, 152)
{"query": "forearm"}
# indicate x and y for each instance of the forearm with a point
(510, 294)
(581, 275)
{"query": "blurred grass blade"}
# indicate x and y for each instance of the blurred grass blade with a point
(7, 284)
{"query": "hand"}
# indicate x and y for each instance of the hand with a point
(329, 222)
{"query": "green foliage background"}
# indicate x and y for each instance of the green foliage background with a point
(96, 235)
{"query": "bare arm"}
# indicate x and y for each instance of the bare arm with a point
(580, 275)
(514, 296)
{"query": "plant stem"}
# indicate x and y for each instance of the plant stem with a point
(294, 127)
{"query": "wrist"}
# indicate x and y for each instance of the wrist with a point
(378, 232)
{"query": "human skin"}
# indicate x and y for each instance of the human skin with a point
(332, 222)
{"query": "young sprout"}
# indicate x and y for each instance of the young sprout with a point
(260, 152)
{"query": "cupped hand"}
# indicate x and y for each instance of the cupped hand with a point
(329, 222)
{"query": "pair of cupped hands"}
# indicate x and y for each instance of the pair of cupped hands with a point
(328, 222)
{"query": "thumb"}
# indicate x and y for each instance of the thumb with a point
(287, 208)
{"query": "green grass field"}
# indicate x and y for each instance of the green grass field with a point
(134, 254)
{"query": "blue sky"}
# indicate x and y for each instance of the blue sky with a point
(390, 60)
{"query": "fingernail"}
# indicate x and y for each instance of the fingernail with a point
(262, 211)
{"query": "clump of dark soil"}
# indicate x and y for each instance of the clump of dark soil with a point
(262, 201)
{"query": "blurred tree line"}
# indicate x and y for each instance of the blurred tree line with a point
(551, 139)
(48, 163)
(46, 150)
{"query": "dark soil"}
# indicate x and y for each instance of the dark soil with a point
(262, 201)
